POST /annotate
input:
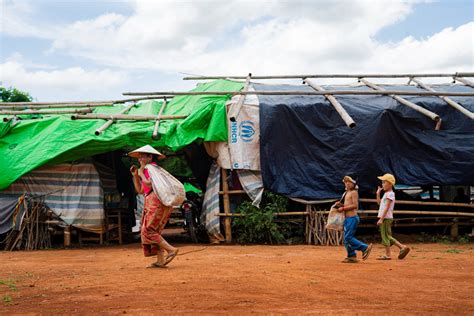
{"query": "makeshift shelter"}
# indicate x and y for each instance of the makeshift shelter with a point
(296, 140)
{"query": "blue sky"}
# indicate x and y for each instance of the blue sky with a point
(92, 50)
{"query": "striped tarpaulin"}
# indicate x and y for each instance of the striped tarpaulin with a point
(72, 191)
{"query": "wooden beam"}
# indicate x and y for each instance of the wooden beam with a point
(236, 110)
(373, 75)
(337, 106)
(465, 81)
(333, 92)
(111, 121)
(127, 117)
(157, 123)
(435, 117)
(455, 105)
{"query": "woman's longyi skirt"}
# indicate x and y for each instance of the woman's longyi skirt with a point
(154, 218)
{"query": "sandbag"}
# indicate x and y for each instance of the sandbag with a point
(168, 189)
(335, 220)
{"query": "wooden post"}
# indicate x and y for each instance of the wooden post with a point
(454, 231)
(455, 105)
(435, 117)
(157, 123)
(227, 219)
(337, 106)
(67, 236)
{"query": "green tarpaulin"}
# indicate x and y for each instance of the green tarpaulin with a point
(56, 138)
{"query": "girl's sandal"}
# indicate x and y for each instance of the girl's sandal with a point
(384, 258)
(403, 253)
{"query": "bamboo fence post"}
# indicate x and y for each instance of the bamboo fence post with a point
(337, 106)
(465, 81)
(107, 124)
(233, 115)
(455, 105)
(157, 123)
(435, 117)
(226, 200)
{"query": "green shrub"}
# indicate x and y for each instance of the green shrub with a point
(257, 224)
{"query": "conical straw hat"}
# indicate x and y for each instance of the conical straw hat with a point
(147, 149)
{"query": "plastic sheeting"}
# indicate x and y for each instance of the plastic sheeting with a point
(306, 148)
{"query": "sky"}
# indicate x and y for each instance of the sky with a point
(64, 50)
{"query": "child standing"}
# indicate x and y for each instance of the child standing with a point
(350, 206)
(385, 215)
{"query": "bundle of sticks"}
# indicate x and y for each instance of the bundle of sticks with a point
(31, 230)
(316, 232)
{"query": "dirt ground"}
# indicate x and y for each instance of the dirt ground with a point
(433, 279)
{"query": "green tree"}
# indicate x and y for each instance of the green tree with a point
(14, 95)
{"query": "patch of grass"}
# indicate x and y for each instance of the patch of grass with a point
(7, 299)
(10, 283)
(452, 250)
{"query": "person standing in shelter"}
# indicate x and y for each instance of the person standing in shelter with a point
(350, 207)
(155, 214)
(385, 216)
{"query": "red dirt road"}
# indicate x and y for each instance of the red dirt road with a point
(433, 279)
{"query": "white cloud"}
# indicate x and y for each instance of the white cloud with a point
(237, 37)
(63, 82)
(262, 37)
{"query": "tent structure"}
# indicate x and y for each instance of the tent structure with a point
(296, 140)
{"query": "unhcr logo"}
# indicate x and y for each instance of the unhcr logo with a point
(247, 131)
(233, 132)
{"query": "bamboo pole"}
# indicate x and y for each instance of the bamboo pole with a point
(46, 112)
(158, 121)
(404, 212)
(227, 223)
(233, 115)
(52, 106)
(333, 92)
(126, 117)
(337, 106)
(435, 117)
(111, 121)
(375, 75)
(465, 81)
(424, 203)
(455, 105)
(84, 103)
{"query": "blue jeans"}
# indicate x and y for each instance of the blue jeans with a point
(350, 242)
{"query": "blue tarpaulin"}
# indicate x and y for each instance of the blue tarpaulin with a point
(306, 148)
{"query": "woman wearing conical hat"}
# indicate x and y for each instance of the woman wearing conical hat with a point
(155, 214)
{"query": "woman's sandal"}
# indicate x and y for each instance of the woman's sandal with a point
(384, 258)
(170, 257)
(155, 265)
